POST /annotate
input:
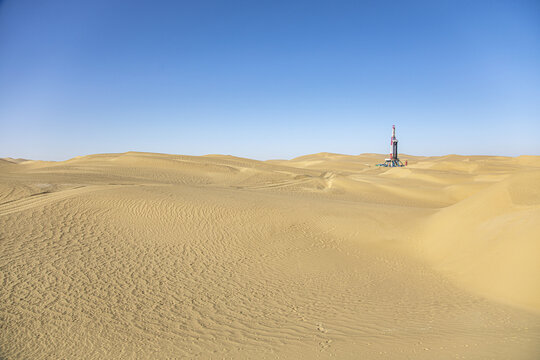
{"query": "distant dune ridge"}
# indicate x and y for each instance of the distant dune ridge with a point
(142, 255)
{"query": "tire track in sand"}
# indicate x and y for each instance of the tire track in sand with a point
(47, 198)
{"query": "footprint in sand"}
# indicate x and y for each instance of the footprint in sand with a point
(321, 328)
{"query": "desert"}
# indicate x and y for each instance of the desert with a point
(146, 255)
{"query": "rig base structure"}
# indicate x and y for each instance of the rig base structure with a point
(392, 163)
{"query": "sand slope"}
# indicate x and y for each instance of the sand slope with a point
(491, 240)
(141, 255)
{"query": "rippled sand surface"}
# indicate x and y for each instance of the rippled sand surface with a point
(139, 255)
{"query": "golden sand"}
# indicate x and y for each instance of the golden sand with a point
(141, 255)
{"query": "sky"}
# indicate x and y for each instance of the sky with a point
(268, 79)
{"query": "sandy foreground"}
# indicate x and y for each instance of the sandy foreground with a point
(141, 255)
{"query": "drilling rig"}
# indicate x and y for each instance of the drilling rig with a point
(393, 161)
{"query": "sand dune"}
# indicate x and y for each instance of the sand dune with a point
(11, 160)
(491, 240)
(141, 255)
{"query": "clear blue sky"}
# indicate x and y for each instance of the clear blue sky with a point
(268, 79)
